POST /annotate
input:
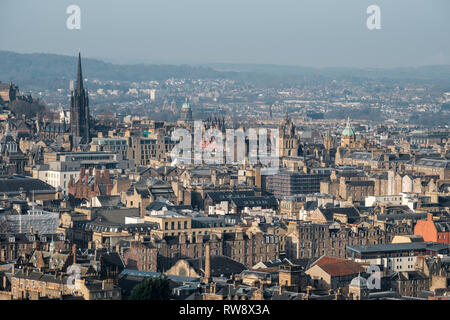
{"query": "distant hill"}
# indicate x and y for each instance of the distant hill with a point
(441, 72)
(41, 70)
(19, 68)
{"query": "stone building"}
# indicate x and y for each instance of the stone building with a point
(288, 141)
(312, 240)
(141, 256)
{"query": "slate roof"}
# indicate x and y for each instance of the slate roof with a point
(113, 258)
(437, 163)
(40, 276)
(410, 275)
(351, 213)
(393, 247)
(218, 196)
(219, 265)
(159, 205)
(363, 183)
(361, 156)
(108, 201)
(240, 291)
(14, 184)
(255, 201)
(442, 226)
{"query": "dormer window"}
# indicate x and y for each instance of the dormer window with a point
(12, 239)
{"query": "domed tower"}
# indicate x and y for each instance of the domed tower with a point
(348, 136)
(358, 289)
(186, 111)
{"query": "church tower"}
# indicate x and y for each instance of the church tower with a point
(288, 141)
(79, 109)
(348, 136)
(186, 112)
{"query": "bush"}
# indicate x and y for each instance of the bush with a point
(152, 289)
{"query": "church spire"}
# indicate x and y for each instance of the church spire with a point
(79, 108)
(79, 86)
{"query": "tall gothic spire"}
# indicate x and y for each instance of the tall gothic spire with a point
(79, 108)
(79, 86)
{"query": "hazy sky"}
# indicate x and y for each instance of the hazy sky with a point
(314, 33)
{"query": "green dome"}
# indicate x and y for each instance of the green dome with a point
(348, 131)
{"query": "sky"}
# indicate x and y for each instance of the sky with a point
(309, 33)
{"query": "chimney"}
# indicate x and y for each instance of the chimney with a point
(74, 253)
(109, 188)
(106, 175)
(207, 263)
(107, 284)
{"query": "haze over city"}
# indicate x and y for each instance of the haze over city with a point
(259, 154)
(320, 33)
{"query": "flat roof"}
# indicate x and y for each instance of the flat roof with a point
(398, 247)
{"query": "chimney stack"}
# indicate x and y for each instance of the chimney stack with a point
(74, 253)
(207, 263)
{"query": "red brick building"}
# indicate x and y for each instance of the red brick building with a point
(141, 256)
(89, 185)
(436, 231)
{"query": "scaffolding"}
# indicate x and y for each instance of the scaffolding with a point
(42, 222)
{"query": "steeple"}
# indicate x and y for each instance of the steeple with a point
(79, 109)
(79, 86)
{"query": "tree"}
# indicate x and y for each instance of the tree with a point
(152, 289)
